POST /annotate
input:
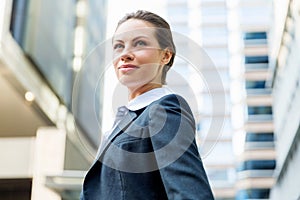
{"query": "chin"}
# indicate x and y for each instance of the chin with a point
(131, 84)
(128, 83)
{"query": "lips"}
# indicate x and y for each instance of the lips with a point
(127, 67)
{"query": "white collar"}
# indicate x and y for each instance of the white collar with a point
(147, 98)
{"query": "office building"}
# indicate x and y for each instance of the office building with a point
(252, 100)
(43, 46)
(285, 79)
(205, 23)
(49, 133)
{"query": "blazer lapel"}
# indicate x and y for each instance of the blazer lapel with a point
(120, 126)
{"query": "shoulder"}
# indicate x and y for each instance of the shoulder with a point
(171, 104)
(171, 99)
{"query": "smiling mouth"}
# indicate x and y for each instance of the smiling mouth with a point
(127, 67)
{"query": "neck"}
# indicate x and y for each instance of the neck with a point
(143, 89)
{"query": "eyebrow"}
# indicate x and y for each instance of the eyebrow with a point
(134, 39)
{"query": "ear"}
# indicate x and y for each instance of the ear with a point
(166, 57)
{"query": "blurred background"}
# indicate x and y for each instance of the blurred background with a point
(253, 44)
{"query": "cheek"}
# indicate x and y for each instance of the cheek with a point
(148, 57)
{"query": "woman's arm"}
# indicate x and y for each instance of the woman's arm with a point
(172, 130)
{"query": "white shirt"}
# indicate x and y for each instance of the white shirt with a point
(147, 98)
(137, 103)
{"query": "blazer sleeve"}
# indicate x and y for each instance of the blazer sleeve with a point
(172, 130)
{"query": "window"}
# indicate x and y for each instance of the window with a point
(259, 137)
(256, 164)
(18, 20)
(256, 59)
(259, 110)
(255, 84)
(255, 35)
(253, 193)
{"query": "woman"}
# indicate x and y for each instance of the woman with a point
(151, 151)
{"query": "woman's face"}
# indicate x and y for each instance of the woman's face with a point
(138, 59)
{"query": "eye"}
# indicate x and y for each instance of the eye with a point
(118, 46)
(140, 43)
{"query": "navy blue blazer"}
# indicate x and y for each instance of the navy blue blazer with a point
(151, 154)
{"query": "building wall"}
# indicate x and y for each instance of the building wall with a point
(205, 23)
(252, 101)
(39, 42)
(37, 54)
(286, 94)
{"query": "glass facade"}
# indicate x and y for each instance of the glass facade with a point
(259, 137)
(259, 110)
(255, 35)
(253, 193)
(253, 84)
(88, 98)
(256, 59)
(45, 30)
(256, 157)
(47, 39)
(95, 24)
(286, 94)
(18, 21)
(256, 165)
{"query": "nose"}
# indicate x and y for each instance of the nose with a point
(127, 56)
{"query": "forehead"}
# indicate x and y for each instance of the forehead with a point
(133, 28)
